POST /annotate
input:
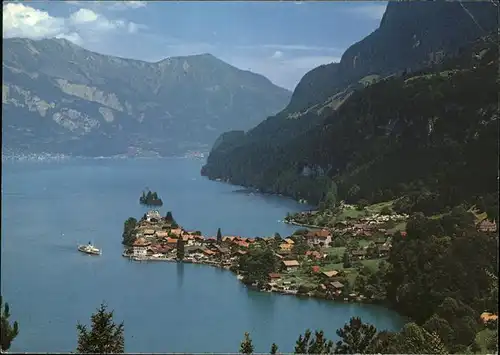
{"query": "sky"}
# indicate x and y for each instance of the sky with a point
(280, 40)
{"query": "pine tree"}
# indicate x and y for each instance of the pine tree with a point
(8, 332)
(105, 337)
(219, 236)
(246, 346)
(169, 218)
(274, 348)
(180, 249)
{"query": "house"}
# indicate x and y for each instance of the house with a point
(193, 250)
(242, 244)
(321, 237)
(384, 250)
(161, 234)
(148, 232)
(487, 226)
(172, 242)
(228, 239)
(358, 254)
(219, 250)
(289, 241)
(290, 265)
(315, 269)
(330, 274)
(337, 285)
(176, 231)
(208, 252)
(140, 247)
(274, 276)
(488, 317)
(198, 240)
(286, 246)
(314, 254)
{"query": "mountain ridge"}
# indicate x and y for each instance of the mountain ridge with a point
(98, 102)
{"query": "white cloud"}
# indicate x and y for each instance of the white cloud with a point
(83, 16)
(370, 11)
(24, 21)
(277, 55)
(110, 5)
(82, 27)
(124, 5)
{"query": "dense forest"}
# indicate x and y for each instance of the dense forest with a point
(429, 137)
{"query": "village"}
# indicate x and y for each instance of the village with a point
(332, 263)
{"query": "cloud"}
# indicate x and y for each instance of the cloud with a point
(283, 64)
(82, 26)
(110, 5)
(292, 47)
(124, 5)
(370, 11)
(24, 21)
(83, 16)
(277, 55)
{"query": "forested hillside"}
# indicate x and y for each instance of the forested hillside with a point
(429, 128)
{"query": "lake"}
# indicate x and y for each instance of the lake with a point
(50, 207)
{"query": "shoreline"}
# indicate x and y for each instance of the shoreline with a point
(295, 293)
(303, 225)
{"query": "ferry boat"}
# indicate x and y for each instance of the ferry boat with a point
(89, 249)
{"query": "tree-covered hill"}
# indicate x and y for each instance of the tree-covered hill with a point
(409, 108)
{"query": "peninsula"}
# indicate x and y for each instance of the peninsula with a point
(328, 263)
(150, 199)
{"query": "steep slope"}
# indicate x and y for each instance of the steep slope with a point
(411, 35)
(59, 97)
(430, 136)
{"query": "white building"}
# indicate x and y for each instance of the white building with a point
(140, 247)
(153, 216)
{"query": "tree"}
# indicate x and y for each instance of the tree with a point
(274, 349)
(300, 246)
(356, 337)
(416, 340)
(8, 332)
(346, 260)
(105, 337)
(317, 345)
(128, 231)
(219, 236)
(246, 346)
(169, 218)
(180, 248)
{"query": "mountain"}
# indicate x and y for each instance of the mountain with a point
(347, 121)
(59, 97)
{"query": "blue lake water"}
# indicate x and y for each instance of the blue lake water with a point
(50, 207)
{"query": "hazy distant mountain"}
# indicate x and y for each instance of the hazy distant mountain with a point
(59, 97)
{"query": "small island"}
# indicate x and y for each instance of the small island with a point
(150, 199)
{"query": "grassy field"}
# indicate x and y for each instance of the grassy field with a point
(377, 208)
(483, 338)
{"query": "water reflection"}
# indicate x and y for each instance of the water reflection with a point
(180, 274)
